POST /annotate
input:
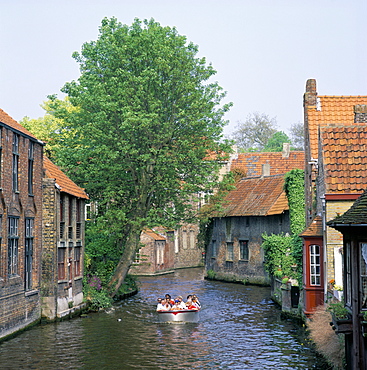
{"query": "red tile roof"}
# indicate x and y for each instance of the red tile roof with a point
(257, 196)
(154, 235)
(332, 109)
(315, 228)
(66, 185)
(251, 163)
(7, 120)
(344, 151)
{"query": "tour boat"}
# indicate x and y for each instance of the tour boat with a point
(179, 315)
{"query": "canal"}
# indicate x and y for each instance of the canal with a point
(239, 328)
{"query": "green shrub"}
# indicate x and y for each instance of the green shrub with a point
(210, 274)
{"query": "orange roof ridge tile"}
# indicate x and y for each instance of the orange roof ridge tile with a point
(65, 183)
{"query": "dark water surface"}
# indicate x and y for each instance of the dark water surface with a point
(239, 328)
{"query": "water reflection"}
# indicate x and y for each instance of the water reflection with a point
(239, 328)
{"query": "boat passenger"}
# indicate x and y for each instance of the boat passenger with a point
(189, 300)
(169, 299)
(196, 300)
(163, 305)
(160, 306)
(176, 306)
(182, 303)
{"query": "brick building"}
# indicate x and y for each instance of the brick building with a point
(21, 168)
(257, 205)
(63, 243)
(335, 176)
(156, 256)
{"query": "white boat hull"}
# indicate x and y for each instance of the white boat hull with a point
(179, 316)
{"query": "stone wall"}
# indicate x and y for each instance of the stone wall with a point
(233, 230)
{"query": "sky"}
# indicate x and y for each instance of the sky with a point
(263, 51)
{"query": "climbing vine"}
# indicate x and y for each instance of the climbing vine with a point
(283, 253)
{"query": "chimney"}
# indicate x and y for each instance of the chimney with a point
(310, 96)
(265, 170)
(360, 113)
(286, 150)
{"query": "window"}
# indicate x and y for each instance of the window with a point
(363, 273)
(137, 257)
(70, 261)
(62, 216)
(15, 167)
(30, 167)
(244, 252)
(77, 253)
(348, 276)
(192, 239)
(61, 262)
(184, 239)
(78, 230)
(70, 229)
(315, 277)
(13, 246)
(214, 248)
(29, 222)
(160, 252)
(230, 254)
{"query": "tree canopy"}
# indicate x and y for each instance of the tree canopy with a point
(255, 132)
(276, 141)
(147, 129)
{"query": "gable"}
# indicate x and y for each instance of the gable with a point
(344, 158)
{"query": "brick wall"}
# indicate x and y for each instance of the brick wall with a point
(334, 239)
(20, 306)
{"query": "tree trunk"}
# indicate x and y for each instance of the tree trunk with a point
(126, 260)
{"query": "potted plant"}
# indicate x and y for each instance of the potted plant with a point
(341, 320)
(338, 292)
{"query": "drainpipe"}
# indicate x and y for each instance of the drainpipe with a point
(324, 244)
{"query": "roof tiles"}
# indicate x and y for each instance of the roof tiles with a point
(258, 196)
(251, 163)
(345, 158)
(315, 228)
(66, 185)
(332, 109)
(7, 120)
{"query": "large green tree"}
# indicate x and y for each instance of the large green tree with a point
(48, 128)
(147, 131)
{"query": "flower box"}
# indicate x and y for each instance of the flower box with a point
(338, 294)
(342, 326)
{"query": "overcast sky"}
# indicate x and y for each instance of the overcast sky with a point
(263, 50)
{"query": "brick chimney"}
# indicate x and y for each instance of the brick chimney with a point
(286, 150)
(265, 169)
(360, 113)
(310, 96)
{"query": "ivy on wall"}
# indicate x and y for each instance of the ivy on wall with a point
(284, 253)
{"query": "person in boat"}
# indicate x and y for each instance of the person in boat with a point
(182, 303)
(196, 300)
(189, 300)
(176, 306)
(169, 299)
(163, 305)
(160, 306)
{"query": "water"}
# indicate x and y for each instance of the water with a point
(239, 328)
